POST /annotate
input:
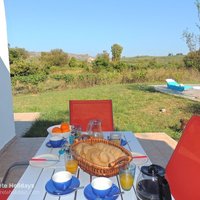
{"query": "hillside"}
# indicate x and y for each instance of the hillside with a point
(77, 56)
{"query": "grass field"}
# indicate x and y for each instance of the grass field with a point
(136, 107)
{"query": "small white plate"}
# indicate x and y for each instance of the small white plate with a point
(139, 161)
(64, 134)
(43, 164)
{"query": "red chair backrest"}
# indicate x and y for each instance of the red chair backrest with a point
(82, 111)
(183, 168)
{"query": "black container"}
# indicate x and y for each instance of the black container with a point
(152, 185)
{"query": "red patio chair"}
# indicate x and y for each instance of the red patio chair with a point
(82, 111)
(183, 168)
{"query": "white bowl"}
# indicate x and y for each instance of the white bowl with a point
(101, 186)
(62, 180)
(64, 134)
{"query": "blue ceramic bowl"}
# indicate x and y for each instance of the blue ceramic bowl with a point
(62, 180)
(56, 141)
(101, 186)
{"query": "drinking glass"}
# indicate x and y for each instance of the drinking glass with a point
(71, 165)
(75, 133)
(78, 130)
(116, 138)
(94, 128)
(126, 176)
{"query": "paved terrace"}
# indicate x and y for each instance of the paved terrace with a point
(192, 94)
(20, 148)
(158, 146)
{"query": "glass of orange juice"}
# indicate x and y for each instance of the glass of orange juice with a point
(71, 165)
(116, 138)
(126, 176)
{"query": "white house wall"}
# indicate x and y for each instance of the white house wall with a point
(7, 128)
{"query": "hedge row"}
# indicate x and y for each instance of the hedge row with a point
(43, 82)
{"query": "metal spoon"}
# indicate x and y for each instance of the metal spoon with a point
(122, 192)
(99, 198)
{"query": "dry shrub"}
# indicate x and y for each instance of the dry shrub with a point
(182, 75)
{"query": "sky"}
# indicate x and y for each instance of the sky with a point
(141, 27)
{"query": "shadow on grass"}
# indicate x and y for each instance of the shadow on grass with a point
(175, 128)
(39, 128)
(193, 108)
(144, 88)
(177, 132)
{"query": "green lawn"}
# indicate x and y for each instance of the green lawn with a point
(136, 108)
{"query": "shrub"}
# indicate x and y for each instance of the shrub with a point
(73, 62)
(139, 76)
(192, 60)
(31, 79)
(119, 66)
(17, 54)
(23, 68)
(68, 78)
(56, 57)
(102, 60)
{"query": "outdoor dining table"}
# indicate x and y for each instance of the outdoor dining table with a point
(31, 186)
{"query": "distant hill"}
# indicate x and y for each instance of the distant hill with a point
(34, 54)
(77, 56)
(80, 56)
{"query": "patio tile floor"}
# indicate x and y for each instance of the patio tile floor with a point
(19, 149)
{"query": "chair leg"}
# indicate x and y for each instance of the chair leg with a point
(16, 164)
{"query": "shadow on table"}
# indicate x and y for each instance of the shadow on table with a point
(158, 151)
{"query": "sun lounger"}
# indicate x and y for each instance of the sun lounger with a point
(196, 87)
(173, 85)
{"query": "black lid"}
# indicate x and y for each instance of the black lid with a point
(153, 170)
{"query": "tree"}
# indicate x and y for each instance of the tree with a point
(116, 50)
(56, 57)
(193, 43)
(192, 39)
(192, 60)
(102, 60)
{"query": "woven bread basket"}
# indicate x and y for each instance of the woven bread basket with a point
(96, 170)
